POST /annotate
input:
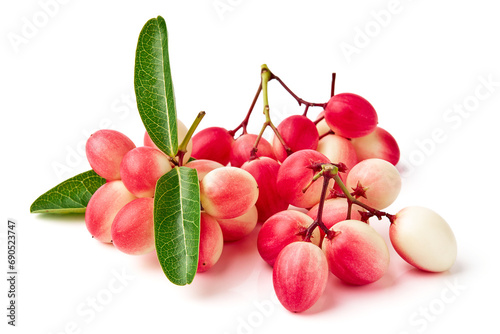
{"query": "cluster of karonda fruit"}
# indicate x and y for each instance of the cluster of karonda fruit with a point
(313, 187)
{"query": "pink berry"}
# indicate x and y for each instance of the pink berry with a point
(105, 150)
(141, 168)
(378, 144)
(381, 180)
(265, 172)
(356, 254)
(213, 144)
(203, 166)
(240, 151)
(237, 228)
(423, 239)
(132, 230)
(282, 229)
(211, 242)
(104, 206)
(351, 116)
(298, 132)
(300, 275)
(294, 175)
(228, 192)
(338, 149)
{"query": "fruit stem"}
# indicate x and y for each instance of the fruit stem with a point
(243, 125)
(298, 99)
(266, 76)
(181, 151)
(332, 91)
(328, 171)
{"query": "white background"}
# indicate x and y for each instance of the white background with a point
(73, 74)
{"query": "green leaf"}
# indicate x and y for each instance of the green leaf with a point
(70, 196)
(153, 86)
(177, 224)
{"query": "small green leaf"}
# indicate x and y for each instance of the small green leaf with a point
(153, 86)
(70, 196)
(177, 224)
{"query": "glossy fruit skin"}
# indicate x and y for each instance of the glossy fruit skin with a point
(228, 192)
(242, 146)
(294, 175)
(378, 144)
(103, 206)
(338, 150)
(381, 179)
(298, 132)
(213, 143)
(265, 172)
(423, 239)
(300, 275)
(282, 229)
(141, 168)
(237, 228)
(203, 167)
(357, 255)
(132, 230)
(181, 133)
(211, 243)
(350, 115)
(105, 150)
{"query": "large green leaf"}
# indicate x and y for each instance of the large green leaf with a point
(70, 196)
(153, 86)
(177, 224)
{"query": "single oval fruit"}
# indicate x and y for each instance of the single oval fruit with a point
(132, 230)
(350, 115)
(228, 192)
(300, 275)
(105, 150)
(423, 239)
(356, 254)
(211, 243)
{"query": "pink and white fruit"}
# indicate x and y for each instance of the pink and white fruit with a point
(378, 144)
(105, 150)
(103, 206)
(132, 230)
(213, 143)
(350, 115)
(211, 242)
(203, 166)
(265, 172)
(294, 175)
(237, 228)
(381, 180)
(242, 146)
(300, 275)
(423, 239)
(141, 168)
(356, 254)
(228, 192)
(298, 132)
(338, 149)
(181, 133)
(282, 229)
